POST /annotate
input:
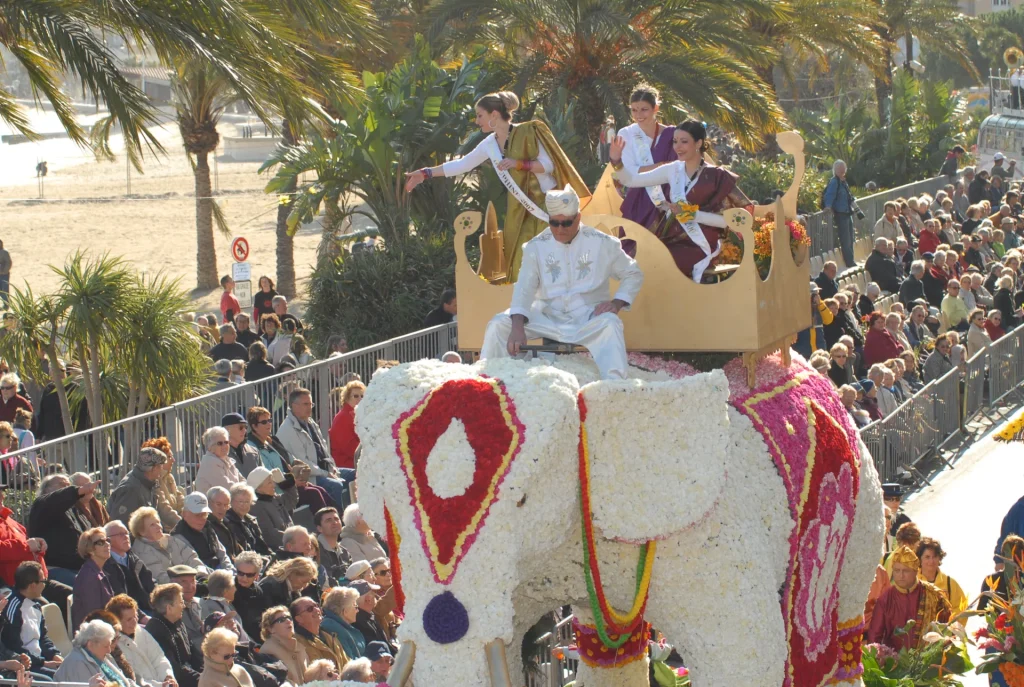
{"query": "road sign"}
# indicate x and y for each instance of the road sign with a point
(243, 292)
(240, 249)
(241, 271)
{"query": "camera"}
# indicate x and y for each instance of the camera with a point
(857, 211)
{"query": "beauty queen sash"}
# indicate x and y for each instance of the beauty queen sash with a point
(692, 228)
(642, 151)
(494, 152)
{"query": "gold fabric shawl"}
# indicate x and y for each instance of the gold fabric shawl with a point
(520, 225)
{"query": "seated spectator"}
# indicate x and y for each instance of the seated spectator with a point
(310, 495)
(170, 498)
(245, 531)
(1002, 300)
(333, 556)
(880, 345)
(246, 456)
(928, 239)
(219, 499)
(297, 543)
(848, 395)
(366, 622)
(994, 325)
(904, 256)
(142, 652)
(219, 667)
(954, 308)
(894, 325)
(138, 488)
(258, 368)
(301, 437)
(358, 670)
(910, 372)
(53, 517)
(273, 454)
(342, 434)
(196, 531)
(359, 570)
(157, 550)
(882, 267)
(340, 611)
(286, 580)
(249, 597)
(869, 401)
(272, 511)
(966, 294)
(245, 335)
(973, 255)
(999, 235)
(981, 294)
(853, 360)
(167, 629)
(217, 468)
(848, 319)
(16, 548)
(834, 329)
(91, 656)
(278, 634)
(358, 538)
(10, 399)
(987, 251)
(380, 658)
(912, 287)
(385, 611)
(819, 360)
(938, 362)
(92, 586)
(826, 280)
(866, 304)
(977, 336)
(24, 629)
(957, 351)
(935, 278)
(887, 225)
(220, 596)
(115, 653)
(886, 400)
(228, 348)
(89, 505)
(318, 644)
(191, 616)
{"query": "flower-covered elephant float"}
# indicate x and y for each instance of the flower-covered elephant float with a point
(743, 524)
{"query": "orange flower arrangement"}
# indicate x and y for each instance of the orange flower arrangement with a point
(764, 227)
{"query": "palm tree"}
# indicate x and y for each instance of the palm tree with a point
(698, 51)
(939, 25)
(201, 95)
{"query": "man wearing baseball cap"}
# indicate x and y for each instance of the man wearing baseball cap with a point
(138, 488)
(381, 660)
(365, 622)
(999, 170)
(195, 530)
(247, 458)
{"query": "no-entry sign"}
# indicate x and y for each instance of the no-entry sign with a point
(240, 249)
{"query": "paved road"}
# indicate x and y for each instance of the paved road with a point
(964, 508)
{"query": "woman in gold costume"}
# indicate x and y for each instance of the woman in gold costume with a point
(529, 163)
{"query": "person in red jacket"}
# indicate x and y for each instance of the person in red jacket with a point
(16, 547)
(10, 399)
(879, 345)
(929, 239)
(344, 441)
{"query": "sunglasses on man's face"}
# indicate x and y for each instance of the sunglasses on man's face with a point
(564, 224)
(245, 574)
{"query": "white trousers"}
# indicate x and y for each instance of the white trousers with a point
(602, 335)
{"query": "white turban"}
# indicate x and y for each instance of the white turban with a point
(564, 202)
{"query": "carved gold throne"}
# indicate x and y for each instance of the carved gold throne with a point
(741, 314)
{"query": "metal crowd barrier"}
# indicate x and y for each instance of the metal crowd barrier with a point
(941, 412)
(822, 231)
(111, 450)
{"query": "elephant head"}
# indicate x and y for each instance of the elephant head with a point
(476, 468)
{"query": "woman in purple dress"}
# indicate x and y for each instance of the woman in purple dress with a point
(693, 237)
(648, 144)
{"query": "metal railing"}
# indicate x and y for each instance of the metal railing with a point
(111, 450)
(823, 233)
(942, 411)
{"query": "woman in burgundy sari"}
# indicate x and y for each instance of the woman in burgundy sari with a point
(693, 238)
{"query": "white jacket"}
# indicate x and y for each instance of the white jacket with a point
(145, 657)
(217, 472)
(299, 444)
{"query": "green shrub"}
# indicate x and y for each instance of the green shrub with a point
(759, 177)
(371, 297)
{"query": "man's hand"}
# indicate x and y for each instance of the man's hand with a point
(97, 680)
(517, 337)
(35, 545)
(87, 489)
(12, 665)
(52, 664)
(609, 306)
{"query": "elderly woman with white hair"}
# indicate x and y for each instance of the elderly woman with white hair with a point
(340, 610)
(157, 550)
(220, 596)
(219, 667)
(217, 467)
(357, 537)
(866, 304)
(222, 368)
(91, 656)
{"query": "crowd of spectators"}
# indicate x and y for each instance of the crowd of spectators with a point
(259, 572)
(953, 266)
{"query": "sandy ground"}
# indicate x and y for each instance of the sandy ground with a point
(153, 229)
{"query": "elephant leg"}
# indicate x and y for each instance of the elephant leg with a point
(632, 674)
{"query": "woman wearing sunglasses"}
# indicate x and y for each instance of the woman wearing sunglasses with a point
(261, 436)
(342, 434)
(278, 631)
(219, 668)
(92, 586)
(217, 467)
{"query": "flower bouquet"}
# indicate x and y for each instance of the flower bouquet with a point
(732, 244)
(664, 674)
(686, 212)
(939, 660)
(1002, 638)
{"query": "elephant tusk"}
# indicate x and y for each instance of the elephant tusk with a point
(497, 663)
(402, 668)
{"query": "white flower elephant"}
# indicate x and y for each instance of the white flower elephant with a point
(764, 506)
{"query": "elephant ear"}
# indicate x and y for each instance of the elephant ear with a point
(657, 453)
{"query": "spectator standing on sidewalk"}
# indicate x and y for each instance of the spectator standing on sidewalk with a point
(840, 201)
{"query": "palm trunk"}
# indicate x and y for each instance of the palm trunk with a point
(883, 90)
(87, 382)
(97, 390)
(206, 252)
(62, 393)
(285, 243)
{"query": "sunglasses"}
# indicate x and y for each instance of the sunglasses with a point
(8, 388)
(564, 224)
(281, 619)
(263, 422)
(99, 542)
(244, 574)
(384, 573)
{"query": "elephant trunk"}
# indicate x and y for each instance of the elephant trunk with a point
(497, 664)
(402, 667)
